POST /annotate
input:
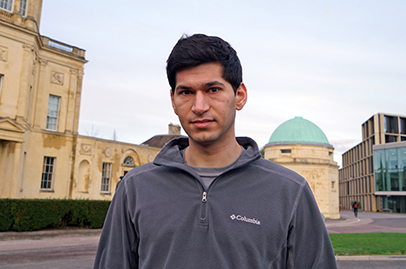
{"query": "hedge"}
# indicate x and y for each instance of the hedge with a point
(31, 215)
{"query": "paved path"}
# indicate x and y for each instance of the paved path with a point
(62, 249)
(367, 222)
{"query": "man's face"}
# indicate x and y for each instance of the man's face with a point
(206, 104)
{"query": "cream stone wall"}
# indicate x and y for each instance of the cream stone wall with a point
(33, 67)
(91, 153)
(315, 163)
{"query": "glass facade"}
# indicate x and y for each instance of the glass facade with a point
(390, 178)
(396, 204)
(390, 169)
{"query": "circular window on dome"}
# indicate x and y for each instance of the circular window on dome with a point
(128, 161)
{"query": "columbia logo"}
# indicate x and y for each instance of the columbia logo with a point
(245, 219)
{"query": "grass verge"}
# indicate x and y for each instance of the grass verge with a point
(369, 244)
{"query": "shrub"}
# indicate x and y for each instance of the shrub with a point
(6, 220)
(32, 215)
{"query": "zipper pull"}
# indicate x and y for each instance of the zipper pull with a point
(204, 198)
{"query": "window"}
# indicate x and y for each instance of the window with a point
(53, 111)
(333, 185)
(128, 161)
(23, 7)
(391, 124)
(106, 175)
(48, 169)
(286, 151)
(7, 5)
(403, 125)
(390, 138)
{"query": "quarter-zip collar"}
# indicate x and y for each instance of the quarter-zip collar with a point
(171, 156)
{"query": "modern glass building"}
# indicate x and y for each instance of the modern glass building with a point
(390, 176)
(375, 179)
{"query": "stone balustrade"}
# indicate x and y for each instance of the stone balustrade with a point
(54, 44)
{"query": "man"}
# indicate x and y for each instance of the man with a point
(210, 200)
(355, 207)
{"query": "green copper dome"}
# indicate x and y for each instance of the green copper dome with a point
(298, 130)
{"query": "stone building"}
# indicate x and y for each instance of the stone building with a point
(373, 172)
(302, 146)
(41, 153)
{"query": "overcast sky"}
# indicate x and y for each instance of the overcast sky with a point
(335, 63)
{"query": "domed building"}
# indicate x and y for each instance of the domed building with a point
(300, 145)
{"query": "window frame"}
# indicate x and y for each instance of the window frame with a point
(127, 163)
(286, 151)
(106, 179)
(48, 175)
(9, 2)
(24, 5)
(50, 124)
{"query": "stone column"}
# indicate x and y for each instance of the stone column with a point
(17, 19)
(34, 92)
(34, 10)
(11, 156)
(17, 4)
(3, 166)
(40, 100)
(70, 113)
(77, 101)
(15, 176)
(25, 81)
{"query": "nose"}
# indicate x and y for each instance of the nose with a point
(201, 104)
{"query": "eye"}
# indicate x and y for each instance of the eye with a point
(214, 89)
(185, 92)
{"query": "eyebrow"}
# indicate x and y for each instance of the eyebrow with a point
(213, 83)
(182, 87)
(205, 85)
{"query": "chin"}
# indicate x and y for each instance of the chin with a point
(204, 139)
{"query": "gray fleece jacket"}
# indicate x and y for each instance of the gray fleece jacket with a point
(255, 215)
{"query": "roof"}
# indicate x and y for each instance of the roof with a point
(298, 130)
(159, 141)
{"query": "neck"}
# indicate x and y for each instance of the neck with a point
(212, 155)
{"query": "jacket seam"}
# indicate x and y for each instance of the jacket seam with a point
(284, 244)
(130, 216)
(279, 173)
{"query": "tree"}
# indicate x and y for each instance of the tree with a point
(115, 137)
(93, 132)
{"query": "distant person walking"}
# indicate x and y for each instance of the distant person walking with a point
(355, 207)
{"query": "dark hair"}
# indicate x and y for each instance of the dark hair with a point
(191, 51)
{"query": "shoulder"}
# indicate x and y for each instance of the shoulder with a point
(140, 171)
(278, 172)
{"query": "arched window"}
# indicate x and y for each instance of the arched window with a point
(128, 161)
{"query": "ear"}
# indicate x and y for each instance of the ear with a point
(173, 103)
(241, 97)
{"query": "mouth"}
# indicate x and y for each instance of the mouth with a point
(202, 123)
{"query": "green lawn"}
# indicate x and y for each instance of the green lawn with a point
(369, 244)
